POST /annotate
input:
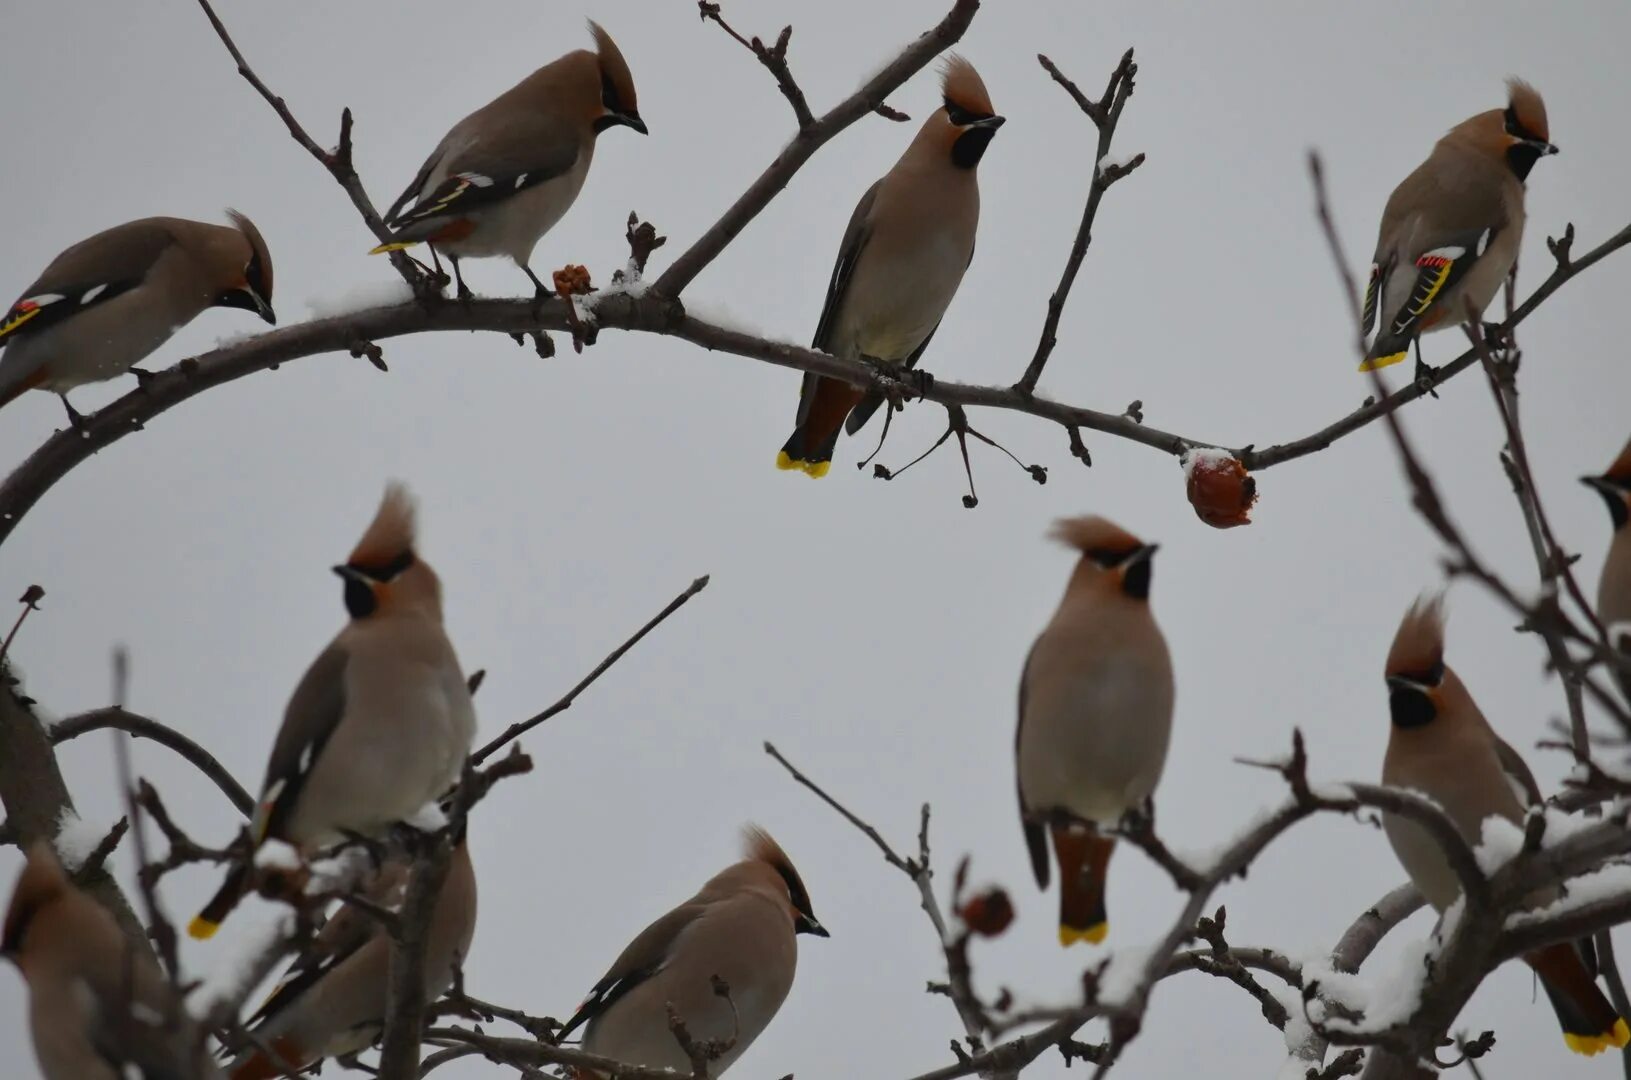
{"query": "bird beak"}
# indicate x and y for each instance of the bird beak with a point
(1600, 483)
(806, 924)
(351, 573)
(1399, 682)
(991, 122)
(1143, 554)
(632, 119)
(262, 308)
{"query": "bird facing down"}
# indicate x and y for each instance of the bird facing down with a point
(902, 257)
(99, 1009)
(381, 722)
(106, 303)
(1441, 745)
(1095, 716)
(332, 1000)
(1451, 231)
(1614, 586)
(505, 174)
(740, 927)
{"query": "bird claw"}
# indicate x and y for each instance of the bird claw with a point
(1424, 377)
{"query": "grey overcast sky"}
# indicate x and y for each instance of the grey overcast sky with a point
(873, 631)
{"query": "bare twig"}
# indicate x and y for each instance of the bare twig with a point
(516, 730)
(1105, 114)
(143, 728)
(773, 57)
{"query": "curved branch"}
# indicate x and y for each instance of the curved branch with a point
(812, 137)
(144, 728)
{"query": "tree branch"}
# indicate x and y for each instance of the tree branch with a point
(143, 728)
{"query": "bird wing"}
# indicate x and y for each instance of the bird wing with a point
(643, 958)
(91, 272)
(524, 153)
(1435, 273)
(856, 235)
(314, 711)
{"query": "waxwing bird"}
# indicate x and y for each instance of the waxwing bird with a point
(741, 927)
(99, 1009)
(107, 302)
(1095, 715)
(505, 174)
(1451, 231)
(903, 255)
(381, 722)
(1441, 745)
(1614, 587)
(332, 1000)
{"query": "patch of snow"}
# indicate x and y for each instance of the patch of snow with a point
(1111, 161)
(1121, 977)
(76, 839)
(276, 855)
(428, 818)
(1334, 792)
(237, 337)
(1608, 883)
(1197, 454)
(714, 312)
(372, 294)
(584, 311)
(230, 981)
(633, 286)
(339, 871)
(1501, 840)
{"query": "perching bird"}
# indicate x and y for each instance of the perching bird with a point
(505, 174)
(332, 1001)
(99, 1008)
(1614, 587)
(107, 302)
(1451, 230)
(741, 927)
(1441, 746)
(381, 722)
(903, 255)
(1095, 716)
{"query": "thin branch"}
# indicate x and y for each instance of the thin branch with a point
(811, 138)
(31, 602)
(338, 163)
(1105, 114)
(773, 57)
(516, 730)
(143, 728)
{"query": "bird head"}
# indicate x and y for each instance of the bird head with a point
(383, 573)
(965, 124)
(1517, 135)
(41, 884)
(1615, 488)
(244, 268)
(618, 105)
(1417, 680)
(762, 850)
(1110, 554)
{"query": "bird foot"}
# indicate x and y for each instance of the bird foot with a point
(76, 419)
(1495, 335)
(1424, 377)
(144, 378)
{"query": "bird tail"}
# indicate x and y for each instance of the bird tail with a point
(1376, 363)
(435, 230)
(821, 417)
(232, 890)
(395, 245)
(257, 1065)
(1589, 1021)
(13, 387)
(1084, 856)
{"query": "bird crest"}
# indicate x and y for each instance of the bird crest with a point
(963, 88)
(391, 533)
(1620, 471)
(259, 272)
(614, 69)
(39, 886)
(1093, 533)
(1418, 646)
(1525, 110)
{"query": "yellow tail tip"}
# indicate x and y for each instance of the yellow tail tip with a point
(1376, 363)
(1595, 1044)
(395, 245)
(201, 928)
(1093, 935)
(814, 469)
